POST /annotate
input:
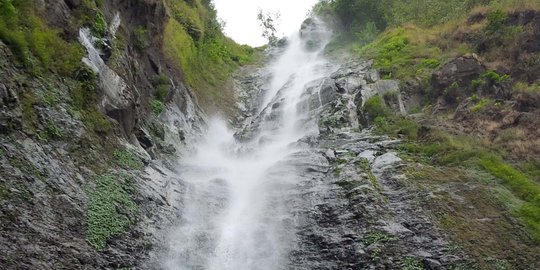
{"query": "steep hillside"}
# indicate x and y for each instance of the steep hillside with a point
(463, 94)
(94, 96)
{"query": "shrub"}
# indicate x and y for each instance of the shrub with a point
(157, 106)
(375, 107)
(142, 38)
(110, 209)
(496, 21)
(99, 28)
(409, 263)
(494, 77)
(53, 131)
(162, 86)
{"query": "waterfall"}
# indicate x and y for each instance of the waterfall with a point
(236, 214)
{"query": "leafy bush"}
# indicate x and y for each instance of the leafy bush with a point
(157, 106)
(99, 28)
(377, 237)
(111, 209)
(409, 263)
(375, 107)
(53, 131)
(494, 77)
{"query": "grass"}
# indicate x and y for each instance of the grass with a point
(521, 185)
(110, 210)
(409, 51)
(522, 87)
(193, 40)
(444, 149)
(31, 40)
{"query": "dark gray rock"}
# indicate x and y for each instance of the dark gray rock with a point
(454, 78)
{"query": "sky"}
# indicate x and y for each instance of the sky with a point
(240, 17)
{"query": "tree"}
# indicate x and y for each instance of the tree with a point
(268, 21)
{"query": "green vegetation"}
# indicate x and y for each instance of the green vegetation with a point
(409, 263)
(410, 39)
(142, 38)
(193, 39)
(162, 86)
(444, 149)
(157, 106)
(386, 122)
(375, 107)
(494, 77)
(99, 27)
(84, 101)
(111, 209)
(522, 87)
(30, 39)
(377, 237)
(50, 132)
(408, 51)
(4, 193)
(127, 159)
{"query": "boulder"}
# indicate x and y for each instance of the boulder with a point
(385, 162)
(383, 87)
(462, 70)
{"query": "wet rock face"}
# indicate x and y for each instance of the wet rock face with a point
(354, 209)
(50, 165)
(360, 214)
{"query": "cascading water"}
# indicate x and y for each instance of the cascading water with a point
(236, 211)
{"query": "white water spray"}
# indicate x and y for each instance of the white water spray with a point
(235, 215)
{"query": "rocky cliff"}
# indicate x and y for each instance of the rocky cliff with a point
(94, 102)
